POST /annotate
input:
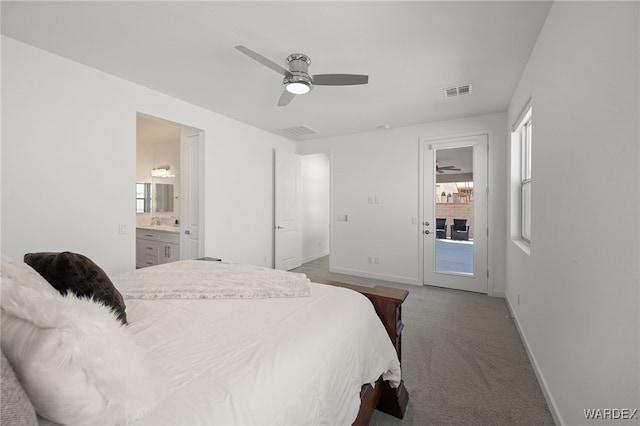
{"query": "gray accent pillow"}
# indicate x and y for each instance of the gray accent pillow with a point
(15, 406)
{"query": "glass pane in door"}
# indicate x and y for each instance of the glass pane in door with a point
(454, 211)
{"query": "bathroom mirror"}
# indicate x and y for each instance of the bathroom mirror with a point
(164, 197)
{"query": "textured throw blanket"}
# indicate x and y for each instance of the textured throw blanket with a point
(196, 279)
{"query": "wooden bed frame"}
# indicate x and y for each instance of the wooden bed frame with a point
(387, 303)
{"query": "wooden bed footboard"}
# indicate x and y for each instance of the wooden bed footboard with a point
(387, 303)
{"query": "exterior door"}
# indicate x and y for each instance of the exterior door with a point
(287, 235)
(191, 241)
(454, 225)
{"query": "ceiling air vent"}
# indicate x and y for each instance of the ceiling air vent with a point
(299, 131)
(451, 92)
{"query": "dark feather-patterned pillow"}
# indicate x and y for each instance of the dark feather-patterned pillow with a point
(74, 272)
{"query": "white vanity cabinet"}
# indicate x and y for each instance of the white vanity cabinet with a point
(154, 247)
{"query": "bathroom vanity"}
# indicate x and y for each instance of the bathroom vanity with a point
(156, 245)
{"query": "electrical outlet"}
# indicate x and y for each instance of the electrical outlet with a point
(370, 259)
(376, 260)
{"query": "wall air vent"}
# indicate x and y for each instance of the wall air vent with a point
(299, 131)
(452, 92)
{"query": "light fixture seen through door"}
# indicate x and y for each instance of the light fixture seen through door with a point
(162, 171)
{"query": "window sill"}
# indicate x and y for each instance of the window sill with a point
(523, 245)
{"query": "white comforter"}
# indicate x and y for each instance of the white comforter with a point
(287, 361)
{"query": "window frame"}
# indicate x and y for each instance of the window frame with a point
(525, 129)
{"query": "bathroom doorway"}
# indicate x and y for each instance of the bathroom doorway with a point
(168, 191)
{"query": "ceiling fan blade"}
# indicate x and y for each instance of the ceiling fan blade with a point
(285, 98)
(339, 79)
(442, 169)
(264, 61)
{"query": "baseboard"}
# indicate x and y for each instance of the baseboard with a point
(383, 277)
(315, 256)
(557, 418)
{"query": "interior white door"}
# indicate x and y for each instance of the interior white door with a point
(456, 257)
(287, 235)
(191, 241)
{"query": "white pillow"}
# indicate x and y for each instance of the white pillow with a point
(77, 362)
(25, 276)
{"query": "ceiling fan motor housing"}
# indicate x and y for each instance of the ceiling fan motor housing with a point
(297, 80)
(298, 67)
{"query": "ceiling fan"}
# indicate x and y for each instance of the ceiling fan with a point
(297, 80)
(447, 169)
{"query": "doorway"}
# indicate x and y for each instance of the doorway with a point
(316, 205)
(454, 225)
(169, 190)
(302, 202)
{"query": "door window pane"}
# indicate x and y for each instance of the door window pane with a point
(454, 211)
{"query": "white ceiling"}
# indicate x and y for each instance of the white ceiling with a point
(410, 50)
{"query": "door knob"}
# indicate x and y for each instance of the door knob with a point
(426, 224)
(279, 227)
(427, 231)
(187, 232)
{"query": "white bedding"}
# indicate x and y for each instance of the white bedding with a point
(192, 279)
(287, 361)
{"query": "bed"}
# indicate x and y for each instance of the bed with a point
(252, 354)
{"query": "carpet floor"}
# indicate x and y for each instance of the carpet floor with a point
(463, 362)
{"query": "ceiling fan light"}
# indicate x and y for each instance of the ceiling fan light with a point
(298, 88)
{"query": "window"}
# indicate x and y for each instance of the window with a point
(524, 131)
(143, 197)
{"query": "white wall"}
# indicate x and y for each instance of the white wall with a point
(69, 164)
(385, 163)
(579, 298)
(316, 201)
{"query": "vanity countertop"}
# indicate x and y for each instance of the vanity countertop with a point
(165, 228)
